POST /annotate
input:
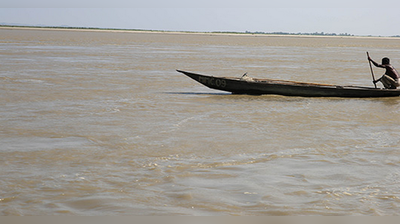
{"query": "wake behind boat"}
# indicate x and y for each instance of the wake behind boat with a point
(253, 86)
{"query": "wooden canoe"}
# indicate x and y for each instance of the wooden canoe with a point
(253, 86)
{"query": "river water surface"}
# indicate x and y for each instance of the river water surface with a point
(100, 123)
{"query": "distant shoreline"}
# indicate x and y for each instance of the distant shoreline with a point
(227, 33)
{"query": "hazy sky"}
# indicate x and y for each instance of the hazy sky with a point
(361, 17)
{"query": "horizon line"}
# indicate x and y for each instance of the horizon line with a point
(194, 32)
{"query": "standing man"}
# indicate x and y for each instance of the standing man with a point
(390, 79)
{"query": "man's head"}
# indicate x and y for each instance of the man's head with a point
(385, 61)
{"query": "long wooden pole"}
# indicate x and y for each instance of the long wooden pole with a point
(372, 71)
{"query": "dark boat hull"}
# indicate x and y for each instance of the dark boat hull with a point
(287, 88)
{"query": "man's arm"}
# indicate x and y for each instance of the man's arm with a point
(376, 64)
